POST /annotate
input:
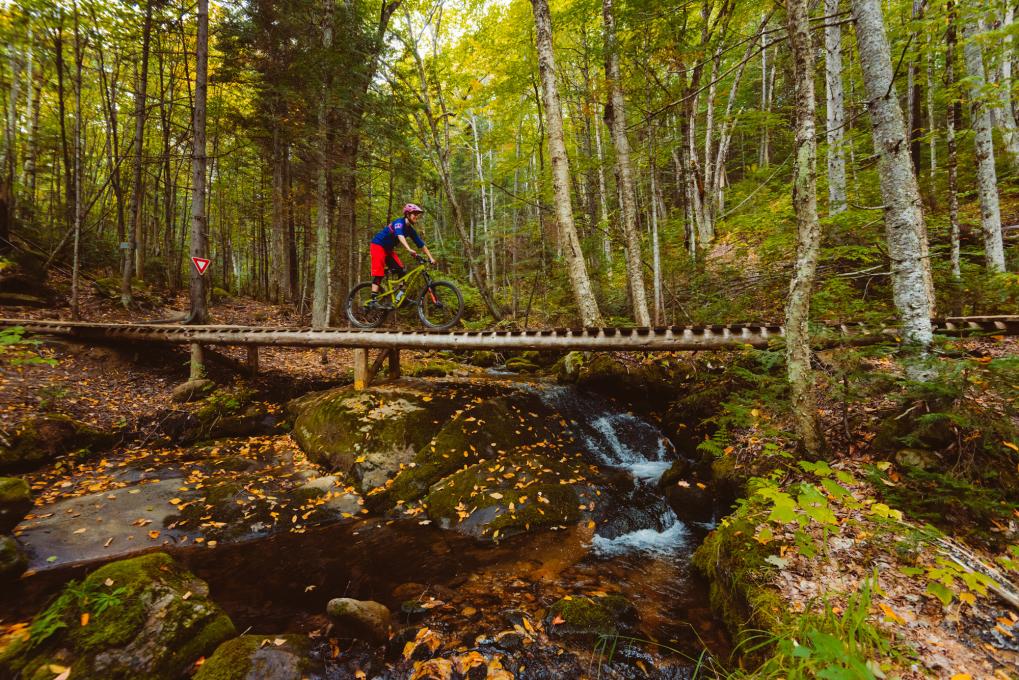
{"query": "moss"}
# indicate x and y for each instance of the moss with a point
(15, 502)
(148, 617)
(532, 497)
(483, 358)
(521, 365)
(433, 368)
(492, 428)
(239, 658)
(590, 616)
(739, 578)
(226, 401)
(334, 427)
(12, 560)
(37, 441)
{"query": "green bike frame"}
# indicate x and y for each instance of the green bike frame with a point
(406, 283)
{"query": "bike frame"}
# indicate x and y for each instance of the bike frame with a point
(391, 286)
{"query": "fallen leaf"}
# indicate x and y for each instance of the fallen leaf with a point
(85, 618)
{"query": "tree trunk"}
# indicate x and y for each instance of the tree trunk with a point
(835, 108)
(913, 94)
(139, 142)
(1009, 134)
(952, 122)
(575, 264)
(801, 378)
(616, 119)
(987, 180)
(904, 227)
(320, 296)
(79, 55)
(199, 224)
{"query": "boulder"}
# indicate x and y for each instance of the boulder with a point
(40, 440)
(506, 496)
(13, 560)
(679, 469)
(145, 617)
(692, 502)
(916, 458)
(483, 358)
(522, 365)
(192, 390)
(587, 617)
(260, 657)
(15, 502)
(485, 430)
(370, 433)
(362, 619)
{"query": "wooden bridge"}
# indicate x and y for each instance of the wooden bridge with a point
(390, 342)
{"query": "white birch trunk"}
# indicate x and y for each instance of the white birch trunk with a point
(835, 108)
(1009, 134)
(603, 203)
(801, 378)
(902, 208)
(987, 180)
(951, 120)
(628, 207)
(575, 264)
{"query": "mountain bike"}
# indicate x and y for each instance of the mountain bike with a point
(440, 304)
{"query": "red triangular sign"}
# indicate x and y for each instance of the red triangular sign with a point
(201, 264)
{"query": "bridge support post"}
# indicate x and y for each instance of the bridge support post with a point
(394, 364)
(253, 360)
(361, 368)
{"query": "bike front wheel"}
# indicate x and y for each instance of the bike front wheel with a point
(441, 305)
(361, 313)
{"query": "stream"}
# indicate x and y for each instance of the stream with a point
(275, 581)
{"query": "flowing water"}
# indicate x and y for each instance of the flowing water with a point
(280, 582)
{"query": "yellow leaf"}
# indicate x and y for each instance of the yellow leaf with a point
(890, 613)
(1011, 446)
(967, 597)
(754, 412)
(153, 534)
(174, 501)
(84, 619)
(360, 459)
(962, 676)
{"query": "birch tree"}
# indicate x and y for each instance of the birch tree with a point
(904, 226)
(987, 179)
(320, 295)
(801, 379)
(616, 118)
(137, 186)
(576, 266)
(835, 109)
(951, 124)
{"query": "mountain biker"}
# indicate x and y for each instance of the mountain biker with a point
(383, 245)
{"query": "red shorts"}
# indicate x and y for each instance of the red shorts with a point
(381, 257)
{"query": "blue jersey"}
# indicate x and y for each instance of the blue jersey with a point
(387, 238)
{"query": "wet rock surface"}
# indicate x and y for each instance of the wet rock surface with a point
(362, 619)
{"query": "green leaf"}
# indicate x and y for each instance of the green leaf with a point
(941, 592)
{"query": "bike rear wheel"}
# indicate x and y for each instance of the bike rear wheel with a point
(359, 312)
(441, 305)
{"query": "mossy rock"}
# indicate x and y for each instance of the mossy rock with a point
(521, 365)
(226, 401)
(587, 617)
(483, 358)
(40, 440)
(505, 496)
(260, 657)
(192, 390)
(487, 430)
(568, 369)
(219, 295)
(739, 578)
(434, 368)
(148, 618)
(370, 433)
(13, 560)
(15, 502)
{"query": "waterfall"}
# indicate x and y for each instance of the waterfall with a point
(624, 441)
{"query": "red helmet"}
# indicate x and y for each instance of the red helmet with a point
(412, 208)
